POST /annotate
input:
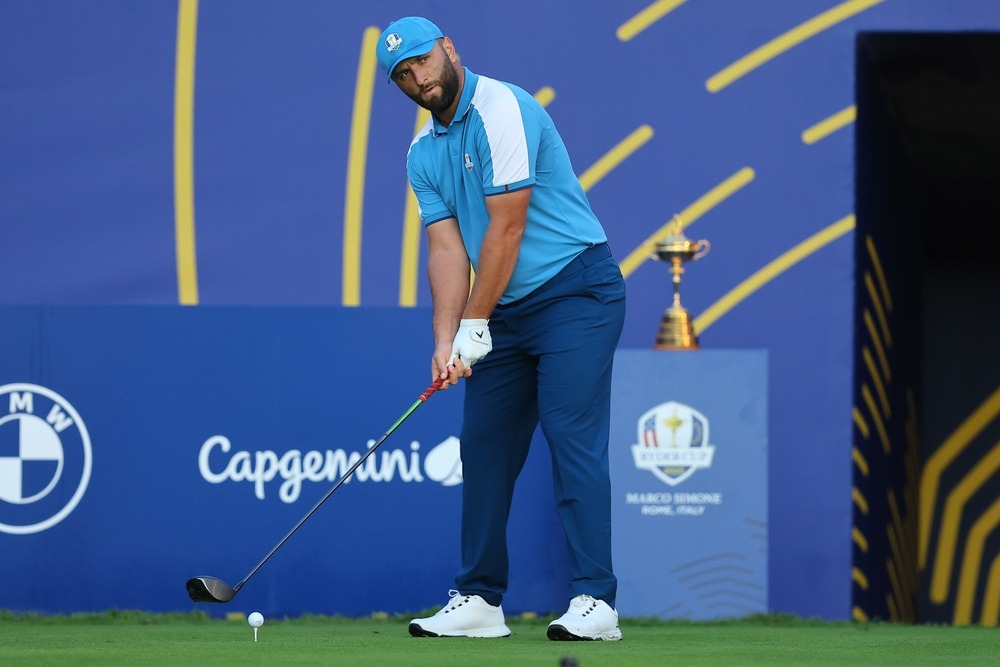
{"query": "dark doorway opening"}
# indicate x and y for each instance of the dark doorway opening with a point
(928, 258)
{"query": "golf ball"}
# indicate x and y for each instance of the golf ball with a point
(255, 619)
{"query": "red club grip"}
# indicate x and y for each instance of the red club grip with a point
(431, 389)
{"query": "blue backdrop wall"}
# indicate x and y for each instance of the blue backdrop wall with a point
(223, 152)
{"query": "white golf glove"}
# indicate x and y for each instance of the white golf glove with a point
(472, 342)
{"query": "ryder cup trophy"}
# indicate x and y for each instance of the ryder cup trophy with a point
(676, 331)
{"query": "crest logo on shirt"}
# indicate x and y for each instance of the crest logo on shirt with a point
(393, 42)
(468, 162)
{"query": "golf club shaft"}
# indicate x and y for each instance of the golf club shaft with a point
(371, 450)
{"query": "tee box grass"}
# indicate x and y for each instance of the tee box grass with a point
(136, 638)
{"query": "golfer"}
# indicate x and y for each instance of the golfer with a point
(534, 338)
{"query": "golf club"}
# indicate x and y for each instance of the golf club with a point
(211, 589)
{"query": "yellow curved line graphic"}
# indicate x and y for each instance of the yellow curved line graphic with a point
(829, 125)
(859, 461)
(860, 422)
(897, 589)
(951, 519)
(905, 583)
(616, 156)
(786, 41)
(969, 576)
(883, 397)
(702, 205)
(409, 265)
(410, 262)
(859, 578)
(184, 237)
(646, 18)
(859, 500)
(356, 162)
(883, 435)
(897, 518)
(877, 342)
(945, 454)
(991, 605)
(859, 538)
(879, 273)
(883, 321)
(890, 602)
(858, 614)
(545, 95)
(772, 270)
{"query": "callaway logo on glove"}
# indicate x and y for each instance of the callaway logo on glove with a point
(472, 342)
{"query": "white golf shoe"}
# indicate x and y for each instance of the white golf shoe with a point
(463, 616)
(586, 619)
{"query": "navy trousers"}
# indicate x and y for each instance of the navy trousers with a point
(550, 364)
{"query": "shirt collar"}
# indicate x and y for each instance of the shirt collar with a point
(464, 102)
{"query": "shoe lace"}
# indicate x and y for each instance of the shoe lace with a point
(455, 600)
(583, 604)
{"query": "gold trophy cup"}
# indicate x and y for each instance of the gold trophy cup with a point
(676, 331)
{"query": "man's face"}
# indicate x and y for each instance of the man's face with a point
(430, 80)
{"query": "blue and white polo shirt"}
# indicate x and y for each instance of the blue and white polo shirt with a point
(500, 140)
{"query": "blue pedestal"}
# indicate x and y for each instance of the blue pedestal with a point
(689, 483)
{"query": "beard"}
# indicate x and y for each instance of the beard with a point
(447, 84)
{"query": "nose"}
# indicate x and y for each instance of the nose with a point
(420, 73)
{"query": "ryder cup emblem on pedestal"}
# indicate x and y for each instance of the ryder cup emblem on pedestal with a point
(45, 458)
(672, 442)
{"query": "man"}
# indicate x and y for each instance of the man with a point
(540, 324)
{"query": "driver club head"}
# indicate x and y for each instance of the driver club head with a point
(209, 589)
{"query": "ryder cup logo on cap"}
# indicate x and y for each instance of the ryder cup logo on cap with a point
(393, 42)
(405, 38)
(672, 442)
(45, 458)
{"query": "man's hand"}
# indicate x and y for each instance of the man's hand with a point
(472, 342)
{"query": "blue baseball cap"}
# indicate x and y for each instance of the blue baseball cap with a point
(405, 38)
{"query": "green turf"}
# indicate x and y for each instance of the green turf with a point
(134, 638)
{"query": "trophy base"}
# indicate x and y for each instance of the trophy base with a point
(676, 332)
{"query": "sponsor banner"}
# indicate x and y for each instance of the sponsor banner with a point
(44, 447)
(689, 479)
(144, 445)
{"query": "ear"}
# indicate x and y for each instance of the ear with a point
(449, 49)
